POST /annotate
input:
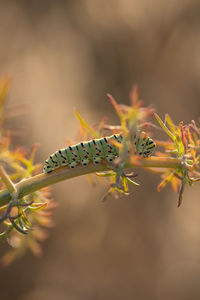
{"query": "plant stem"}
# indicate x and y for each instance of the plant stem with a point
(30, 185)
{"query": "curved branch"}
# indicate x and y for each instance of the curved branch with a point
(30, 185)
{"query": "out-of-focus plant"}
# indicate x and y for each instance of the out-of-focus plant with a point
(25, 198)
(23, 219)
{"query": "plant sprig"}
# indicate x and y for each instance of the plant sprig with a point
(25, 199)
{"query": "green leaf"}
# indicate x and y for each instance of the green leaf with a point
(125, 185)
(24, 218)
(21, 229)
(170, 123)
(84, 124)
(164, 127)
(131, 181)
(37, 206)
(105, 174)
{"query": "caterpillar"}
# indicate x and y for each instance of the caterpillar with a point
(96, 151)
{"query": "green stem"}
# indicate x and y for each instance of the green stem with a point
(30, 185)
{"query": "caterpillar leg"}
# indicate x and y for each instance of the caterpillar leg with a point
(47, 168)
(110, 158)
(85, 162)
(97, 160)
(73, 164)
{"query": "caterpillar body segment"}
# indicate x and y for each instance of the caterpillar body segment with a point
(95, 151)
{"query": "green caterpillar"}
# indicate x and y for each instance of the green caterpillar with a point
(96, 151)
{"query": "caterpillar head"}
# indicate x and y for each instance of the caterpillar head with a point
(144, 145)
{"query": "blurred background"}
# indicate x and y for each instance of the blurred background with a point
(62, 54)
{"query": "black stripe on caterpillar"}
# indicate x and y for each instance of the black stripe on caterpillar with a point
(95, 151)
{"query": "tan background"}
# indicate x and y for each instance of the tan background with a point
(62, 54)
